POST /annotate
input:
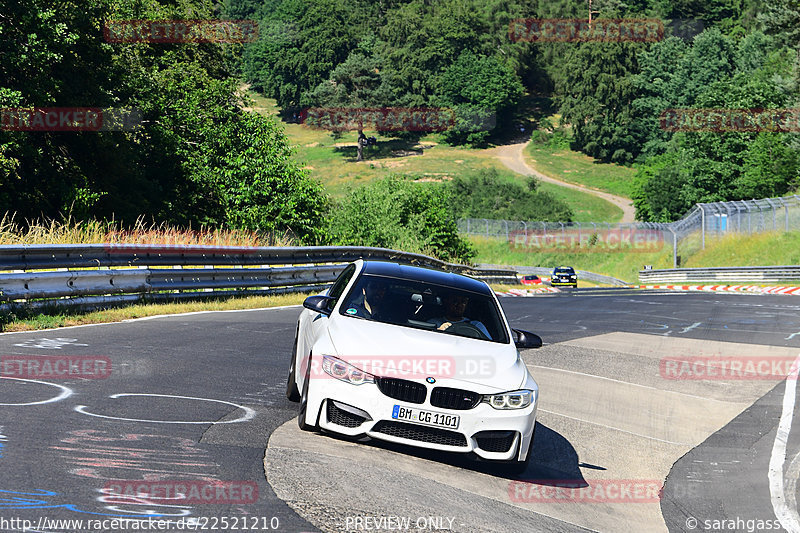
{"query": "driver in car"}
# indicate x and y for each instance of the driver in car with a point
(454, 307)
(369, 303)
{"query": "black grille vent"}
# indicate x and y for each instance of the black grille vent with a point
(495, 441)
(421, 433)
(454, 398)
(403, 390)
(343, 418)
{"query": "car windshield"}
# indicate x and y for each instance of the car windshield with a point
(564, 271)
(420, 305)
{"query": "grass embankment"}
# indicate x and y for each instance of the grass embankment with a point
(762, 249)
(624, 266)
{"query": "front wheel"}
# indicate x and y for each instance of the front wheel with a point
(301, 417)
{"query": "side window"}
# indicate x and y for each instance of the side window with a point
(341, 282)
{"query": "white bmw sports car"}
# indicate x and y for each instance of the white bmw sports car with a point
(418, 357)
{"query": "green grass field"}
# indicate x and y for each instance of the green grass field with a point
(332, 160)
(585, 207)
(579, 168)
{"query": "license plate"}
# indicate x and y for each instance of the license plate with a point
(426, 418)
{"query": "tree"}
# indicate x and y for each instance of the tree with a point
(354, 84)
(483, 91)
(595, 97)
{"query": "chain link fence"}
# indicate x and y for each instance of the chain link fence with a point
(703, 221)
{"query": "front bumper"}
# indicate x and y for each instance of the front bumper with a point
(356, 410)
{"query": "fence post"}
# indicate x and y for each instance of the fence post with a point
(772, 207)
(702, 225)
(505, 223)
(674, 248)
(487, 227)
(786, 213)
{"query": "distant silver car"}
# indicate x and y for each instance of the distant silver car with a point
(418, 357)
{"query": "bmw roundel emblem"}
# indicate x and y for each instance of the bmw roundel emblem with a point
(430, 380)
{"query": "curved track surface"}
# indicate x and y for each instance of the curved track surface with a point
(198, 398)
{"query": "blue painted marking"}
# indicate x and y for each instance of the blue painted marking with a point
(15, 502)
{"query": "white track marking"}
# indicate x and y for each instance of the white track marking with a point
(248, 413)
(66, 392)
(690, 328)
(617, 429)
(787, 516)
(627, 383)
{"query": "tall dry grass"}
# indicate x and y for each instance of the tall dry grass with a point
(71, 231)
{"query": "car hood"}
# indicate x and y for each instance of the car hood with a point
(396, 351)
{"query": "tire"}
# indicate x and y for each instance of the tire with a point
(301, 417)
(292, 394)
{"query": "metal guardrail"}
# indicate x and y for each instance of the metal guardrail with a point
(582, 274)
(97, 274)
(765, 274)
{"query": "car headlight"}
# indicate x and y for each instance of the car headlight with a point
(518, 399)
(345, 371)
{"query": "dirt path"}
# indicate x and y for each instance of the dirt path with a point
(512, 157)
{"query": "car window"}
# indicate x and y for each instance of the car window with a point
(425, 306)
(341, 282)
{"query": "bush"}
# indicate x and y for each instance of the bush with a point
(398, 213)
(485, 194)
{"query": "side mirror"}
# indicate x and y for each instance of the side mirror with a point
(319, 304)
(526, 339)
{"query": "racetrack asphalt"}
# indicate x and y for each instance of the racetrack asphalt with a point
(199, 397)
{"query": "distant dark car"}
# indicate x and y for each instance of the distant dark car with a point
(564, 277)
(530, 280)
